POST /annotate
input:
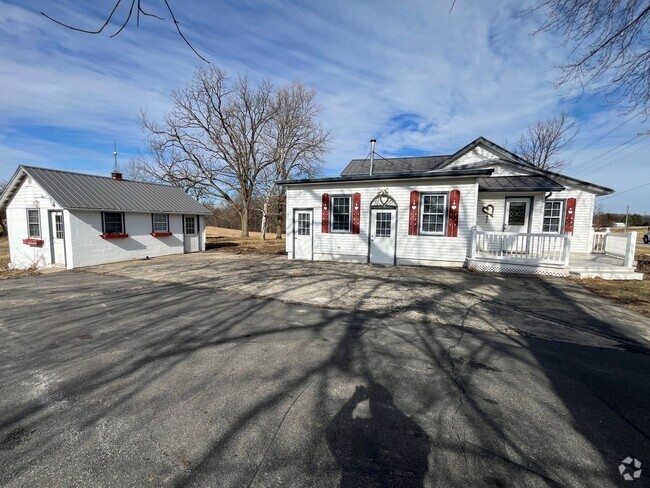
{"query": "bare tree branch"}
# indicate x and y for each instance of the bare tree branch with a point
(541, 144)
(137, 4)
(610, 41)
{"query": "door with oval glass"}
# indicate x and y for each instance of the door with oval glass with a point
(382, 236)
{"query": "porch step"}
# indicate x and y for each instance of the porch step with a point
(606, 274)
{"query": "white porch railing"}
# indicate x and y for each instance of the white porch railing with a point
(529, 249)
(621, 246)
(598, 242)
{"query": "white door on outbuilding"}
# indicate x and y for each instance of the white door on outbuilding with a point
(58, 239)
(190, 233)
(303, 234)
(382, 236)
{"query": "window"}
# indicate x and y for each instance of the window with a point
(58, 226)
(34, 224)
(340, 214)
(160, 222)
(552, 216)
(190, 226)
(113, 222)
(433, 213)
(382, 224)
(304, 224)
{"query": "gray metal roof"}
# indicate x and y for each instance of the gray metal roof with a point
(394, 165)
(83, 191)
(518, 183)
(452, 173)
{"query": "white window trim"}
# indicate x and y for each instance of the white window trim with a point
(561, 217)
(349, 231)
(104, 223)
(153, 222)
(445, 214)
(29, 224)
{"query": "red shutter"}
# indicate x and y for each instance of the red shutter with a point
(325, 221)
(454, 206)
(356, 213)
(570, 215)
(414, 213)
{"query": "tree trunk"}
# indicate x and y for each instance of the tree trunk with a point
(244, 221)
(265, 212)
(278, 231)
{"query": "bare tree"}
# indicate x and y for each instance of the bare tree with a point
(609, 46)
(221, 139)
(542, 143)
(135, 5)
(298, 144)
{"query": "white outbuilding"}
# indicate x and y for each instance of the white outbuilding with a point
(59, 218)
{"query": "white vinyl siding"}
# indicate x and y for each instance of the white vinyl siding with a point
(447, 251)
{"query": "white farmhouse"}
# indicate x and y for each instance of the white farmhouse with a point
(482, 207)
(59, 218)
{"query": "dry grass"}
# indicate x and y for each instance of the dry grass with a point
(230, 241)
(5, 272)
(633, 294)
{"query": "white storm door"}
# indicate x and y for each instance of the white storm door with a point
(516, 220)
(190, 231)
(302, 234)
(382, 236)
(58, 239)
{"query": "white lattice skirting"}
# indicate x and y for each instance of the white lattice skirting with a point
(492, 267)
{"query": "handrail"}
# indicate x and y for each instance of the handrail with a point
(525, 248)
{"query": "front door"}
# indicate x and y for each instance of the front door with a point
(382, 236)
(302, 234)
(191, 235)
(516, 222)
(58, 240)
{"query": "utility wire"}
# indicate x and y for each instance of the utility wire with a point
(624, 192)
(582, 166)
(617, 159)
(599, 138)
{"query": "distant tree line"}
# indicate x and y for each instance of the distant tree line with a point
(608, 219)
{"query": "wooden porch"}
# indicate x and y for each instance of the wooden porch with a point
(612, 256)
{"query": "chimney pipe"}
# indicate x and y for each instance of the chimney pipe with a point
(372, 156)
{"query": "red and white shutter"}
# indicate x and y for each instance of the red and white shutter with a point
(414, 205)
(570, 215)
(454, 206)
(356, 213)
(325, 218)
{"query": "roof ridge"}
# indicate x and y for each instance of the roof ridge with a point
(24, 166)
(407, 157)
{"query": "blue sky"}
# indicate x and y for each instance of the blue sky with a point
(409, 74)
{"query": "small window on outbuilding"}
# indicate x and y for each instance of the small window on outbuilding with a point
(113, 222)
(34, 224)
(160, 222)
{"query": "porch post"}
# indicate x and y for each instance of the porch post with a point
(472, 243)
(630, 247)
(567, 249)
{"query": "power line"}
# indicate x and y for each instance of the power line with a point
(580, 167)
(617, 159)
(599, 138)
(626, 191)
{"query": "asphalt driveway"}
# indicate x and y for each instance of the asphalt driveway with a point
(114, 381)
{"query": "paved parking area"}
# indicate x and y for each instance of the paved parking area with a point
(122, 381)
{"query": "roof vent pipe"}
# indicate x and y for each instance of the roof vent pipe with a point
(372, 156)
(116, 174)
